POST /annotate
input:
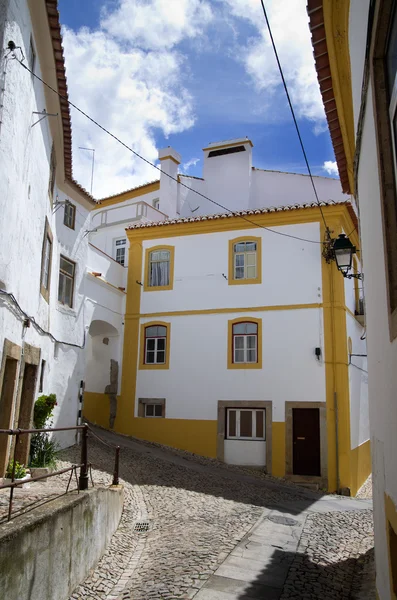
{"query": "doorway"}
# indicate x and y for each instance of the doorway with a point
(26, 411)
(306, 441)
(6, 408)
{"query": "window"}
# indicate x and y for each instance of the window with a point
(245, 424)
(159, 269)
(32, 55)
(66, 281)
(156, 203)
(155, 345)
(245, 344)
(153, 410)
(119, 250)
(151, 407)
(52, 172)
(46, 257)
(245, 264)
(69, 215)
(384, 86)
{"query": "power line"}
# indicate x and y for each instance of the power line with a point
(293, 115)
(233, 213)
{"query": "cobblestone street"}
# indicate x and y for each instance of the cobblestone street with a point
(197, 513)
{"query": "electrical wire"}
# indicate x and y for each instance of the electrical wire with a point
(42, 331)
(233, 213)
(293, 116)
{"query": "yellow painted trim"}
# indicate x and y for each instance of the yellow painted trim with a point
(336, 23)
(236, 223)
(230, 363)
(258, 278)
(218, 311)
(128, 195)
(278, 449)
(160, 288)
(391, 521)
(166, 365)
(228, 145)
(169, 157)
(361, 466)
(336, 371)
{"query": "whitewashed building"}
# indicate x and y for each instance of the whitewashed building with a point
(44, 218)
(355, 50)
(234, 340)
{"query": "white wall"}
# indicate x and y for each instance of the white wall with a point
(291, 271)
(198, 376)
(358, 19)
(382, 354)
(358, 384)
(24, 206)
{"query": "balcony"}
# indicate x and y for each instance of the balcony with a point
(125, 214)
(105, 269)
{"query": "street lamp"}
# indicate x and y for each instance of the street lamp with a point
(343, 251)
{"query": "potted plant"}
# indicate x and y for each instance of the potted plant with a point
(20, 473)
(42, 448)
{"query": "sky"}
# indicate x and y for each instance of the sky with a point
(184, 73)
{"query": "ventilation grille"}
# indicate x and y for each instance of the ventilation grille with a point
(141, 526)
(224, 151)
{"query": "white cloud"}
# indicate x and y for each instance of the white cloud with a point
(331, 167)
(289, 23)
(157, 24)
(128, 77)
(190, 163)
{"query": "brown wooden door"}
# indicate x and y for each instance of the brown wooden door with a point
(306, 441)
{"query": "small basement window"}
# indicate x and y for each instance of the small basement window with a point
(224, 151)
(153, 410)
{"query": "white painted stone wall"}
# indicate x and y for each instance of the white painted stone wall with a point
(24, 207)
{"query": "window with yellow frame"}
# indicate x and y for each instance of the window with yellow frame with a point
(159, 268)
(155, 345)
(244, 343)
(245, 260)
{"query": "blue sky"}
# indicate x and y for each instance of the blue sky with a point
(185, 73)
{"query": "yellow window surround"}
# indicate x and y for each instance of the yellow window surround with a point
(231, 272)
(230, 363)
(166, 364)
(159, 288)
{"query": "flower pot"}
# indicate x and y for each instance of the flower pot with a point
(23, 481)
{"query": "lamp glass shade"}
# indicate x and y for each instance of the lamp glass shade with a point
(343, 252)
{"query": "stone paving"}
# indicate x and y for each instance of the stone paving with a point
(200, 514)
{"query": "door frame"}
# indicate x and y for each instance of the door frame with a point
(322, 480)
(10, 351)
(263, 404)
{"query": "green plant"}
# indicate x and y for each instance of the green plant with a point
(43, 410)
(20, 470)
(42, 448)
(43, 451)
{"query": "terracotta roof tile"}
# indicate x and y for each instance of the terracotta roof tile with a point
(319, 43)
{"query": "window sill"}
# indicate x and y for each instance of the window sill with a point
(245, 281)
(66, 310)
(159, 288)
(154, 367)
(244, 365)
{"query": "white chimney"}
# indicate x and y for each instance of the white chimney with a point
(170, 160)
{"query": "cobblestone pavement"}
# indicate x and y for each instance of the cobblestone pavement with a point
(197, 513)
(334, 551)
(365, 490)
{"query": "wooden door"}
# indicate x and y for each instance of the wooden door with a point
(306, 441)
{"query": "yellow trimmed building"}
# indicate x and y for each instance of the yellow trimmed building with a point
(355, 45)
(237, 334)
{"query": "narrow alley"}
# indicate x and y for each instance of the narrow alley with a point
(219, 533)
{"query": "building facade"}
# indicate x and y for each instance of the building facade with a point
(236, 339)
(355, 48)
(44, 217)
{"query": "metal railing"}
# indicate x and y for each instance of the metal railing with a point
(83, 465)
